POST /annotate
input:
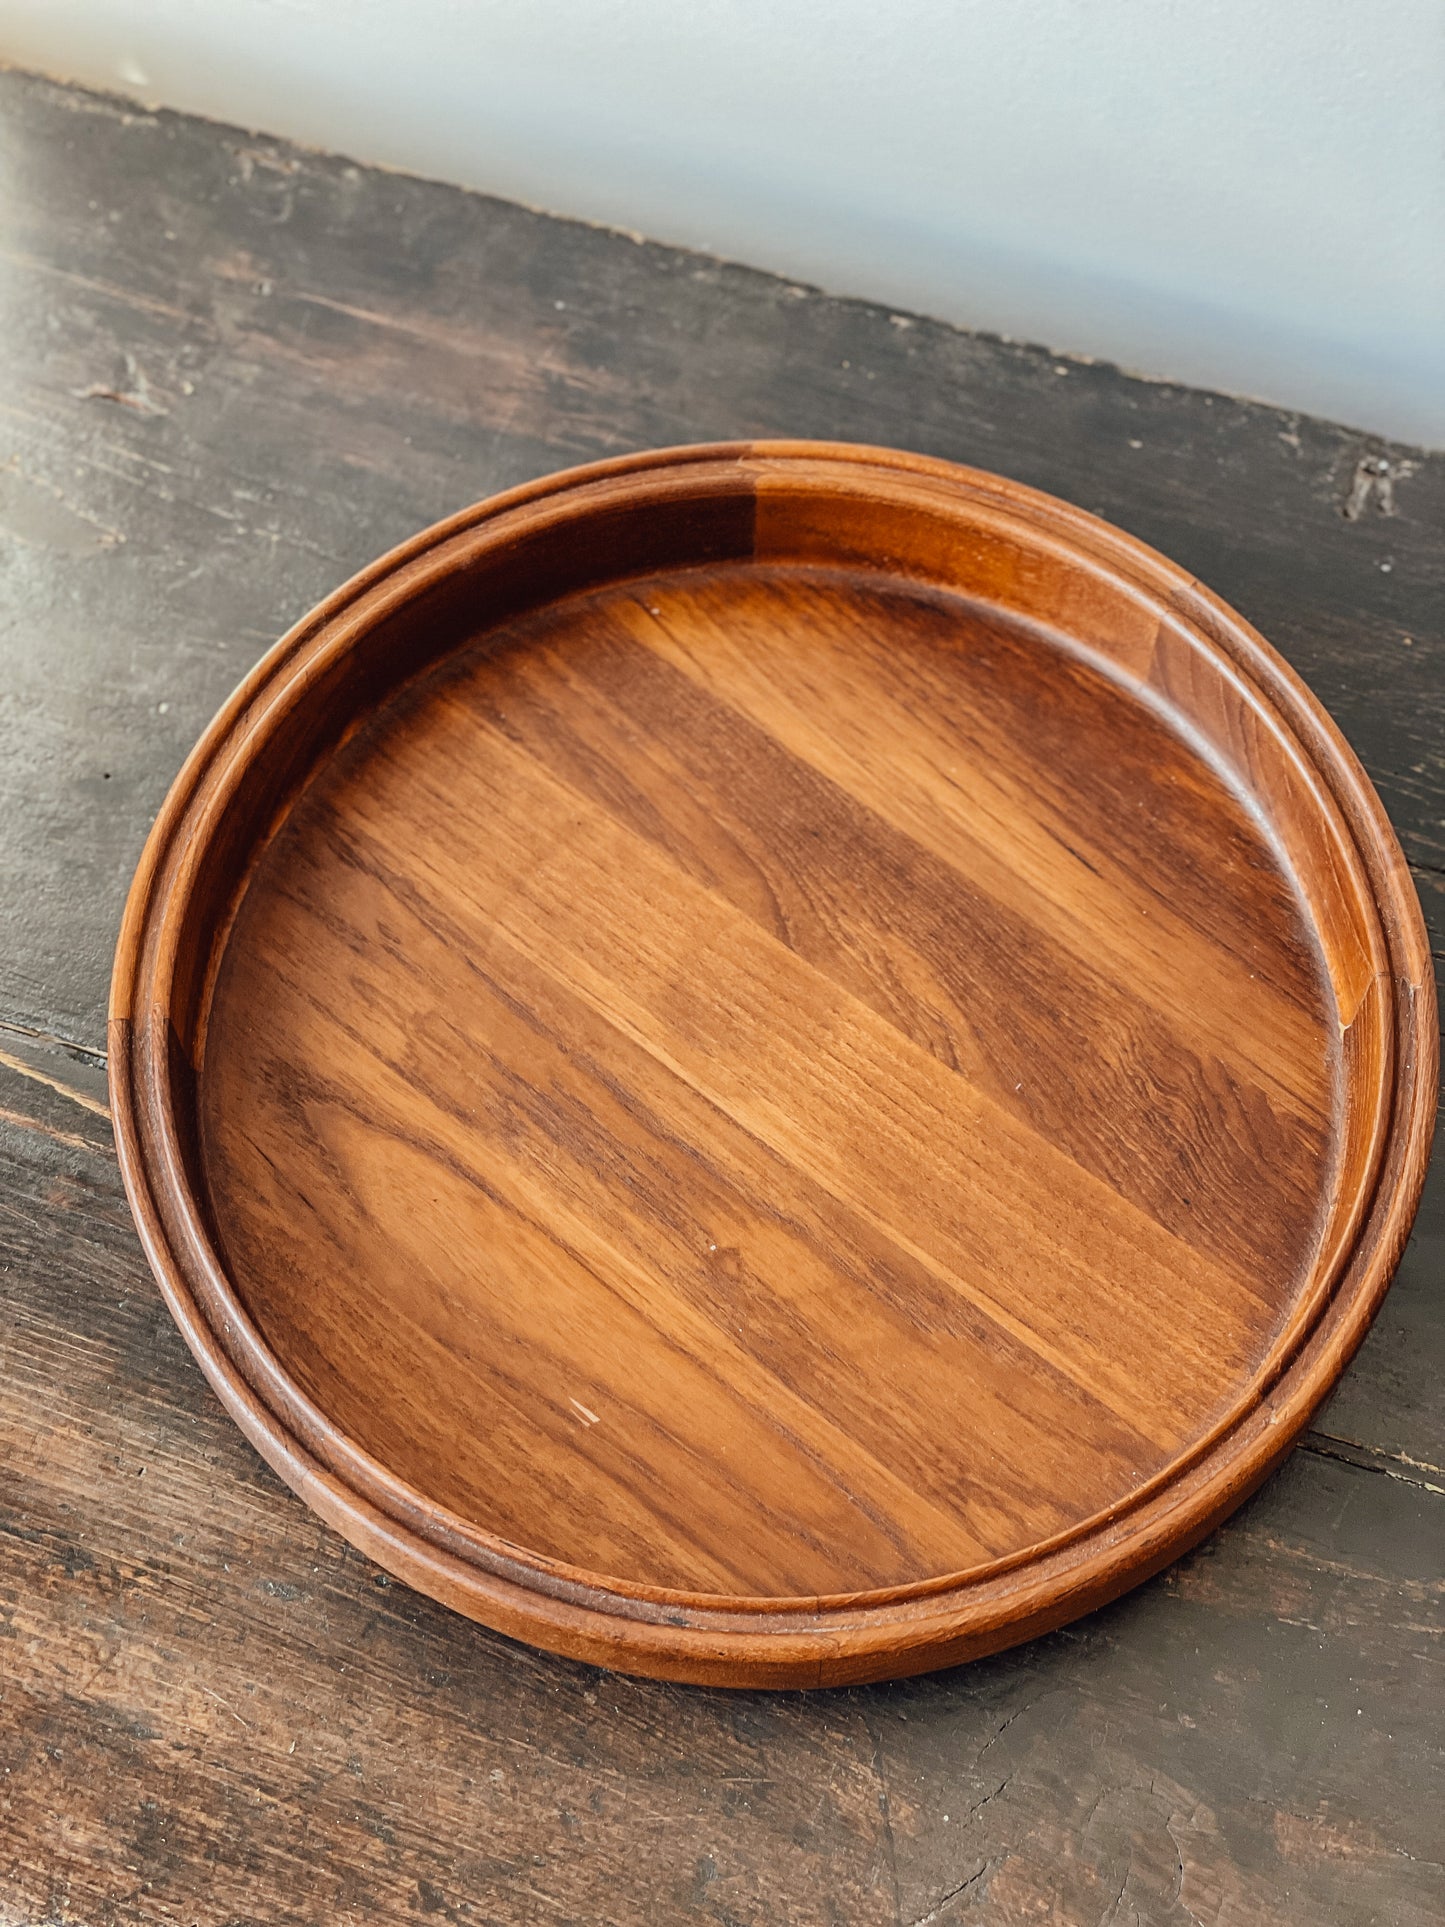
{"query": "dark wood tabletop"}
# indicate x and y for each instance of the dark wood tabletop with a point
(233, 372)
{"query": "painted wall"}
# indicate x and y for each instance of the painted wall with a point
(1225, 192)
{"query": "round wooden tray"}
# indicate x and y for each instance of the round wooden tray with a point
(773, 1064)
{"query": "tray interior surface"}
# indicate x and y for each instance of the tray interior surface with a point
(771, 1081)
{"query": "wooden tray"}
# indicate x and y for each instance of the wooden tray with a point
(773, 1064)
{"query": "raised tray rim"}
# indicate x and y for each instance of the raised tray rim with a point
(693, 1635)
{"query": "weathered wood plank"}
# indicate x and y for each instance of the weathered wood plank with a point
(233, 372)
(212, 1706)
(1389, 1400)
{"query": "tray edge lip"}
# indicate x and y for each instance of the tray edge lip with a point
(848, 1632)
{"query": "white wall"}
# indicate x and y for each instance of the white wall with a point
(1248, 194)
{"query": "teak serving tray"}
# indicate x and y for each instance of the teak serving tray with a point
(773, 1064)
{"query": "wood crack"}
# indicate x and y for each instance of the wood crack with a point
(954, 1893)
(22, 1069)
(1368, 1458)
(52, 1041)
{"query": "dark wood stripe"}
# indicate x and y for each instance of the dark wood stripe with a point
(561, 926)
(536, 1090)
(1076, 1054)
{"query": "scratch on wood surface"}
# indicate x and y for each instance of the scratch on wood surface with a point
(22, 1069)
(38, 513)
(68, 1138)
(229, 1708)
(438, 335)
(127, 297)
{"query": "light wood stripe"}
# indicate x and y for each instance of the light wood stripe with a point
(666, 1042)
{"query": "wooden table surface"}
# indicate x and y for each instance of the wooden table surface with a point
(233, 371)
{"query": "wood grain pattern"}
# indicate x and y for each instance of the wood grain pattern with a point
(212, 1707)
(780, 1118)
